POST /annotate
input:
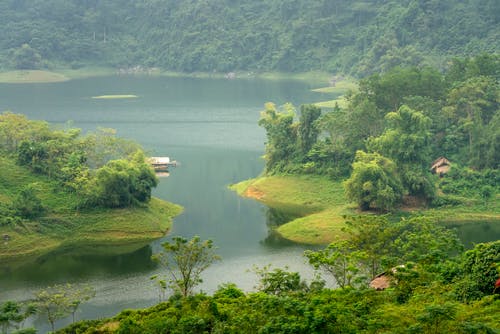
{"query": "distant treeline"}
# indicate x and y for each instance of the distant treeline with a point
(353, 37)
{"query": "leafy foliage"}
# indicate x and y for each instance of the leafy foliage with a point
(27, 204)
(422, 299)
(374, 182)
(479, 270)
(102, 169)
(12, 314)
(58, 301)
(185, 260)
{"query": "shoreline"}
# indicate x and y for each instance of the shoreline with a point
(123, 228)
(323, 212)
(64, 74)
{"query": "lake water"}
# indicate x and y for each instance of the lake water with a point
(210, 127)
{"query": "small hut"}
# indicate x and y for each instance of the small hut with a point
(380, 282)
(386, 279)
(440, 166)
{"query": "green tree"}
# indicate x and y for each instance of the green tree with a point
(281, 131)
(12, 314)
(308, 129)
(121, 183)
(185, 260)
(279, 281)
(78, 295)
(340, 260)
(471, 106)
(479, 269)
(27, 204)
(373, 237)
(407, 142)
(26, 58)
(16, 128)
(374, 182)
(60, 300)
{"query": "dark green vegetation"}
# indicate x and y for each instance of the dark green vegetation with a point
(434, 287)
(352, 37)
(392, 129)
(57, 185)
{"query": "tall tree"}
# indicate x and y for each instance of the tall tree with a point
(308, 129)
(374, 182)
(185, 260)
(281, 133)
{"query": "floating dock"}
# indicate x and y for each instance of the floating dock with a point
(162, 164)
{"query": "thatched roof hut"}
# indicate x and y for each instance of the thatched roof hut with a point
(386, 279)
(440, 166)
(380, 282)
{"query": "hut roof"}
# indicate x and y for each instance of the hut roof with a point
(441, 161)
(380, 282)
(440, 166)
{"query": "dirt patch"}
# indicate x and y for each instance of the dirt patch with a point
(255, 193)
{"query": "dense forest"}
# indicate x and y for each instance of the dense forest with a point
(351, 37)
(392, 129)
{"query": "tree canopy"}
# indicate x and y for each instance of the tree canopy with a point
(352, 37)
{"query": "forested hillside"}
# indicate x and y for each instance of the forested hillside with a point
(391, 131)
(352, 37)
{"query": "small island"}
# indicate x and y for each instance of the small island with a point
(59, 188)
(115, 97)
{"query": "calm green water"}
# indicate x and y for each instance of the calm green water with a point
(210, 127)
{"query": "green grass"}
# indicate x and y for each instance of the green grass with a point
(341, 102)
(63, 225)
(321, 205)
(319, 201)
(340, 87)
(31, 76)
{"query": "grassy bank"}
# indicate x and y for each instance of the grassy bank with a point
(318, 201)
(32, 76)
(61, 225)
(321, 205)
(64, 74)
(338, 89)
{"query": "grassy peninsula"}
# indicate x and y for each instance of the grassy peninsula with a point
(320, 205)
(59, 189)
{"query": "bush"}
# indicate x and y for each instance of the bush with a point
(27, 204)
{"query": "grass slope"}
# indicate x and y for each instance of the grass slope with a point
(321, 205)
(62, 225)
(320, 202)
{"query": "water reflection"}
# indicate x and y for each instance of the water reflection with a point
(67, 265)
(472, 233)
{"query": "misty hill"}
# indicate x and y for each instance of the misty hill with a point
(355, 37)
